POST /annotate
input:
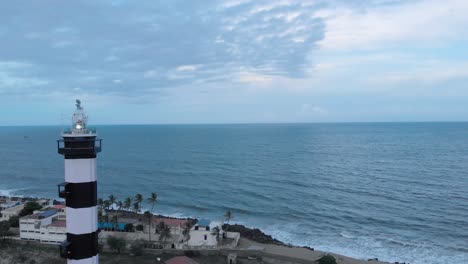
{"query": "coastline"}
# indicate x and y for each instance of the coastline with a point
(254, 238)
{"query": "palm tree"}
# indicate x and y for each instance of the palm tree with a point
(138, 200)
(115, 222)
(136, 208)
(160, 226)
(152, 199)
(120, 205)
(186, 232)
(106, 204)
(148, 215)
(127, 203)
(228, 216)
(216, 232)
(165, 233)
(112, 199)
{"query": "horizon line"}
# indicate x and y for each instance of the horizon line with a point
(249, 123)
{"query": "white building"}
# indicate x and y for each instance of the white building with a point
(43, 226)
(203, 235)
(13, 208)
(11, 211)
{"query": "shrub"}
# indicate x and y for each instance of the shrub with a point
(327, 259)
(137, 247)
(29, 208)
(4, 228)
(116, 243)
(129, 228)
(14, 221)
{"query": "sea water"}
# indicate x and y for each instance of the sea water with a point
(393, 191)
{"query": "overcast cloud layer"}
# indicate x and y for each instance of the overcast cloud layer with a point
(234, 61)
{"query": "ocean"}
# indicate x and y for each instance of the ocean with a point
(393, 191)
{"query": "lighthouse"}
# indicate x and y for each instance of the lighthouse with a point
(79, 146)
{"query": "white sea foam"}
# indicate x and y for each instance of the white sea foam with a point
(11, 192)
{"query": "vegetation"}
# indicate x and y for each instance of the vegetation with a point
(136, 248)
(14, 221)
(228, 216)
(129, 227)
(216, 231)
(117, 244)
(164, 231)
(327, 259)
(29, 208)
(138, 200)
(186, 232)
(152, 200)
(4, 228)
(139, 228)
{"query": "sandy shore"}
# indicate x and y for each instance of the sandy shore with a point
(300, 253)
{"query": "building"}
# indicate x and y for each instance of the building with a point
(43, 226)
(180, 260)
(13, 208)
(203, 235)
(11, 211)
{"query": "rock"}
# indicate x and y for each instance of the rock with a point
(253, 234)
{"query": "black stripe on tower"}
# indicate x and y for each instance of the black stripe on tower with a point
(79, 147)
(79, 195)
(83, 246)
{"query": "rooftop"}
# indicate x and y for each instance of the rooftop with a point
(170, 221)
(181, 260)
(41, 215)
(59, 223)
(203, 222)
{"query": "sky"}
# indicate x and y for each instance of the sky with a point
(233, 61)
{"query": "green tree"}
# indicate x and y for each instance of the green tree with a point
(165, 233)
(117, 244)
(4, 228)
(112, 200)
(129, 227)
(149, 217)
(136, 208)
(106, 205)
(228, 216)
(138, 200)
(119, 205)
(327, 259)
(14, 221)
(186, 231)
(216, 231)
(152, 200)
(115, 222)
(127, 203)
(136, 248)
(29, 208)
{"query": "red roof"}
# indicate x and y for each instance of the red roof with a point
(170, 221)
(59, 206)
(181, 260)
(59, 223)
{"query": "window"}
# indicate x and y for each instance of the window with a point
(196, 228)
(206, 237)
(207, 228)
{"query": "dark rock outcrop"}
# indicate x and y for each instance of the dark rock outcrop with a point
(253, 234)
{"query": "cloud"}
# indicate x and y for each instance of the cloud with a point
(150, 45)
(412, 22)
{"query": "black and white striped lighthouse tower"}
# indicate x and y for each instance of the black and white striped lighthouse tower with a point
(79, 145)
